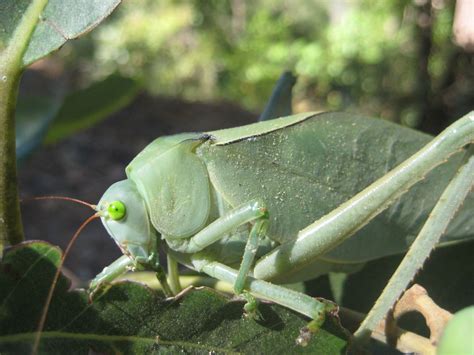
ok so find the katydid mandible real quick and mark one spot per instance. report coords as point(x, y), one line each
point(289, 199)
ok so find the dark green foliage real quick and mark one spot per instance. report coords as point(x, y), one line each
point(132, 318)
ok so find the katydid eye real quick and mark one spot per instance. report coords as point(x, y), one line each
point(116, 210)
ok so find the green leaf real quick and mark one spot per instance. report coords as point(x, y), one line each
point(60, 21)
point(86, 107)
point(33, 116)
point(457, 337)
point(132, 318)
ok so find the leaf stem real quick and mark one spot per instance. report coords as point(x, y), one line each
point(11, 229)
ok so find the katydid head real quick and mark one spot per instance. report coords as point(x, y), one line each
point(124, 215)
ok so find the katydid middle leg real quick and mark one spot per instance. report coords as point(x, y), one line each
point(252, 211)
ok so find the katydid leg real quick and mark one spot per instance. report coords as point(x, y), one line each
point(161, 276)
point(294, 300)
point(250, 211)
point(218, 229)
point(111, 272)
point(449, 202)
point(258, 231)
point(120, 267)
point(173, 274)
point(335, 227)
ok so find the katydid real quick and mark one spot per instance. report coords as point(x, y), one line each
point(289, 199)
point(290, 192)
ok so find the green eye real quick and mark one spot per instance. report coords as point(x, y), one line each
point(116, 210)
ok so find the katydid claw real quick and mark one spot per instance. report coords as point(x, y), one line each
point(251, 307)
point(311, 328)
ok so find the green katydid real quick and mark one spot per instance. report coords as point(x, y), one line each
point(289, 199)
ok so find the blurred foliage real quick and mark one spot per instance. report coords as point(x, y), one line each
point(86, 107)
point(51, 118)
point(393, 59)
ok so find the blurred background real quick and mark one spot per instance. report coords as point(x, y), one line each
point(168, 66)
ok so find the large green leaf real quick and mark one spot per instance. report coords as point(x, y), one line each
point(132, 318)
point(60, 21)
point(84, 108)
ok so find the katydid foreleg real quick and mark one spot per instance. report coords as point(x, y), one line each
point(111, 272)
point(121, 266)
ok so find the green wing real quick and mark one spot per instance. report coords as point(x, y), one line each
point(174, 183)
point(304, 166)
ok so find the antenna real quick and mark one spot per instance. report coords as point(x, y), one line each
point(63, 198)
point(56, 277)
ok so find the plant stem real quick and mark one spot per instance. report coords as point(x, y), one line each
point(11, 229)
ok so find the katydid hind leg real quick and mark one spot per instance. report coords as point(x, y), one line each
point(338, 225)
point(437, 223)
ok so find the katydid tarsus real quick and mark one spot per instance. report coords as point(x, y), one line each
point(289, 199)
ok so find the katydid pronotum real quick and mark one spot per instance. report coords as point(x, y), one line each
point(289, 199)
